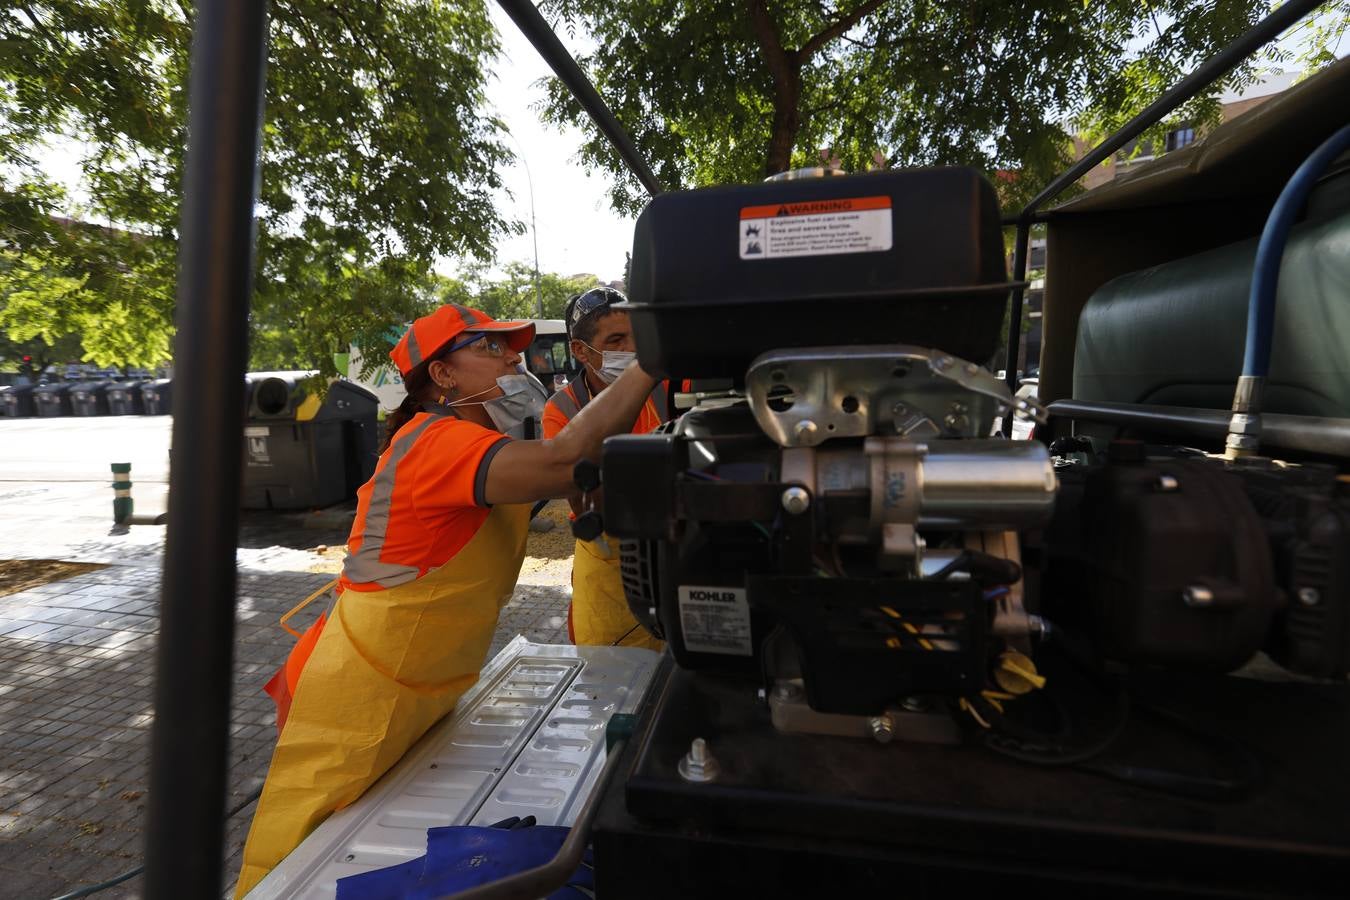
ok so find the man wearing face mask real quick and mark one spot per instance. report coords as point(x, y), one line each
point(602, 341)
point(435, 548)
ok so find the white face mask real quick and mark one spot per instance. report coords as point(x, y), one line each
point(612, 363)
point(522, 397)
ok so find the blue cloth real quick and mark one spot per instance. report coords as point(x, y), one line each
point(463, 856)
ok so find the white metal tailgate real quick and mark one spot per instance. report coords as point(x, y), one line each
point(527, 739)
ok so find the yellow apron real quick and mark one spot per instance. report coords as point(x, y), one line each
point(600, 614)
point(387, 667)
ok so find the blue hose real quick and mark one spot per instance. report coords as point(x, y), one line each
point(1269, 252)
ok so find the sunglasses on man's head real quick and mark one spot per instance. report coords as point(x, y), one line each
point(594, 300)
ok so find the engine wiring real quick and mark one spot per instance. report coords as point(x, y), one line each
point(1014, 677)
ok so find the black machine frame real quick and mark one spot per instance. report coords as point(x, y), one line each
point(189, 752)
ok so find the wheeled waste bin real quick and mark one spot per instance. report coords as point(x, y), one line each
point(303, 451)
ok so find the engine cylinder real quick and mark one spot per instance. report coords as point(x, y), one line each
point(949, 484)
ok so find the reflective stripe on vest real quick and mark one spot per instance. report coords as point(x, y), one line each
point(365, 566)
point(573, 397)
point(658, 398)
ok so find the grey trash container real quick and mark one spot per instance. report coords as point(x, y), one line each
point(157, 396)
point(16, 401)
point(125, 399)
point(90, 398)
point(52, 399)
point(303, 453)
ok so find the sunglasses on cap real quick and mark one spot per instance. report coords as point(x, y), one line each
point(593, 301)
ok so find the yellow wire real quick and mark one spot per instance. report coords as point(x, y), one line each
point(975, 715)
point(923, 642)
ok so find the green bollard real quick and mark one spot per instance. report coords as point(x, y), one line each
point(122, 504)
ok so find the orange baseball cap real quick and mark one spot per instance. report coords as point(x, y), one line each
point(429, 335)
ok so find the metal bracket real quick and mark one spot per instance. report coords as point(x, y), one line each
point(801, 398)
point(790, 713)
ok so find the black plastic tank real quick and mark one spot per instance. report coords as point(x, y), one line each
point(720, 275)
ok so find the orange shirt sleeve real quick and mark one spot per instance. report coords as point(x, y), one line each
point(451, 464)
point(554, 419)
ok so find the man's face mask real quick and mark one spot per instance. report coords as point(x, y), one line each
point(613, 362)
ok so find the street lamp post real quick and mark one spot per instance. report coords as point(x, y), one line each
point(534, 233)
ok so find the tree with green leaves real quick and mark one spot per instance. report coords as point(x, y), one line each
point(730, 91)
point(377, 159)
point(511, 295)
point(31, 289)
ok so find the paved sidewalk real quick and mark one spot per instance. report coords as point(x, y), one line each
point(76, 674)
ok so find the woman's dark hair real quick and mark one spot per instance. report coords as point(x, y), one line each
point(415, 384)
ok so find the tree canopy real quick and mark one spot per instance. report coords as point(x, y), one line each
point(377, 158)
point(509, 294)
point(728, 91)
point(512, 294)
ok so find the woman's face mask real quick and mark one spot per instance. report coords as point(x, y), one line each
point(522, 397)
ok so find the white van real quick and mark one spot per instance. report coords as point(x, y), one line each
point(548, 357)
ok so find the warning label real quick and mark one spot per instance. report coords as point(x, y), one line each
point(715, 620)
point(815, 228)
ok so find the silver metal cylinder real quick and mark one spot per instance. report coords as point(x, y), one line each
point(957, 484)
point(992, 484)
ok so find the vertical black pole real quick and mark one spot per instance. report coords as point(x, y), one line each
point(1015, 310)
point(190, 742)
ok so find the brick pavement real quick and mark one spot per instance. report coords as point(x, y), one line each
point(76, 670)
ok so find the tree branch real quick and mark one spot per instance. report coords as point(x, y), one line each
point(786, 70)
point(38, 25)
point(814, 45)
point(766, 32)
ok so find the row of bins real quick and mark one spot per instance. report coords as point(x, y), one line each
point(300, 451)
point(87, 398)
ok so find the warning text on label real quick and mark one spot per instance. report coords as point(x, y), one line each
point(815, 228)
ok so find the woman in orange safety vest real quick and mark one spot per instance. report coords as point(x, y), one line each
point(435, 549)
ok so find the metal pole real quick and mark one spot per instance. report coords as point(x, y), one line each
point(1309, 434)
point(538, 33)
point(1216, 66)
point(534, 232)
point(1015, 312)
point(190, 742)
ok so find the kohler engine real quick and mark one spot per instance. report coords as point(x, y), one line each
point(836, 520)
point(844, 529)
